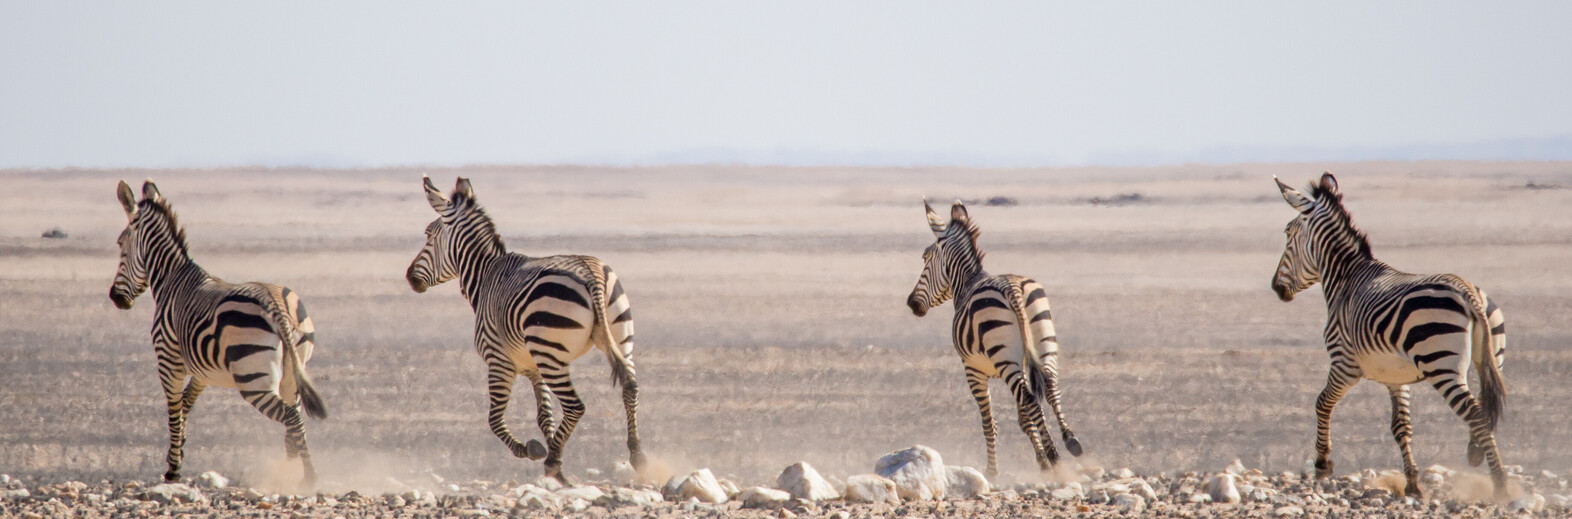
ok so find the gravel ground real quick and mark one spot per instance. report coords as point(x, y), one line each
point(1094, 492)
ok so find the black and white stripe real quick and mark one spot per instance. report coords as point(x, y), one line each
point(1394, 328)
point(533, 316)
point(1001, 323)
point(254, 337)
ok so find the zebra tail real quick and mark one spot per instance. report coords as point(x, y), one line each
point(282, 323)
point(1492, 391)
point(1036, 377)
point(621, 367)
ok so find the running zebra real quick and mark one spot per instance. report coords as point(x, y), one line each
point(1001, 323)
point(533, 316)
point(1394, 328)
point(252, 336)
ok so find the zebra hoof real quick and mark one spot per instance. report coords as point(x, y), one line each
point(534, 450)
point(1413, 490)
point(637, 460)
point(1073, 445)
point(1323, 469)
point(1476, 454)
point(172, 477)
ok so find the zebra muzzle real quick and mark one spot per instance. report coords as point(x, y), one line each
point(122, 302)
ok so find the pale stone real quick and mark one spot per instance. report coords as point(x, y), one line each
point(701, 484)
point(760, 497)
point(622, 473)
point(918, 472)
point(1236, 468)
point(1289, 511)
point(1124, 473)
point(171, 493)
point(212, 479)
point(730, 488)
point(587, 493)
point(802, 481)
point(628, 496)
point(550, 484)
point(871, 488)
point(1129, 502)
point(1221, 488)
point(1528, 503)
point(965, 483)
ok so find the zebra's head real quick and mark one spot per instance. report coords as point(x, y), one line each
point(457, 218)
point(1321, 215)
point(131, 277)
point(954, 246)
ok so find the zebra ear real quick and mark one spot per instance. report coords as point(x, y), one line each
point(439, 203)
point(958, 212)
point(463, 188)
point(1298, 200)
point(1328, 183)
point(127, 198)
point(933, 219)
point(150, 191)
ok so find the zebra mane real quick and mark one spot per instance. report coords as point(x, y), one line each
point(160, 206)
point(970, 231)
point(482, 221)
point(1333, 201)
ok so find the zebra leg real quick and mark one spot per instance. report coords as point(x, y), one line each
point(978, 383)
point(572, 410)
point(1051, 394)
point(1455, 390)
point(172, 375)
point(1031, 417)
point(1337, 384)
point(273, 406)
point(499, 389)
point(1403, 432)
point(630, 402)
point(544, 416)
point(188, 400)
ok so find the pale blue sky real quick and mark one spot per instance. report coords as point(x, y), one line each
point(1035, 83)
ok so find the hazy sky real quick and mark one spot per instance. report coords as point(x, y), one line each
point(439, 83)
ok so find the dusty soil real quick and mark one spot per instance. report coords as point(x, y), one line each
point(771, 320)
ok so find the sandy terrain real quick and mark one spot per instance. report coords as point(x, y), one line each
point(771, 318)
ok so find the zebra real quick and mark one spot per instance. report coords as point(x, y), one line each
point(533, 316)
point(255, 337)
point(993, 314)
point(1394, 328)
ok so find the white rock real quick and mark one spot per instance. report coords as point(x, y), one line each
point(1145, 490)
point(730, 488)
point(1528, 503)
point(550, 484)
point(537, 501)
point(760, 497)
point(15, 495)
point(622, 473)
point(578, 505)
point(1236, 468)
point(592, 472)
point(803, 482)
point(1289, 511)
point(1221, 489)
point(964, 483)
point(701, 484)
point(918, 472)
point(1559, 501)
point(1547, 474)
point(1065, 494)
point(587, 493)
point(1124, 473)
point(1092, 472)
point(871, 488)
point(628, 496)
point(1200, 498)
point(212, 479)
point(170, 493)
point(1129, 502)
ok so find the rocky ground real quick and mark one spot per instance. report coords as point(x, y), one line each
point(894, 491)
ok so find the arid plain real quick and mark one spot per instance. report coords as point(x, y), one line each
point(771, 318)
